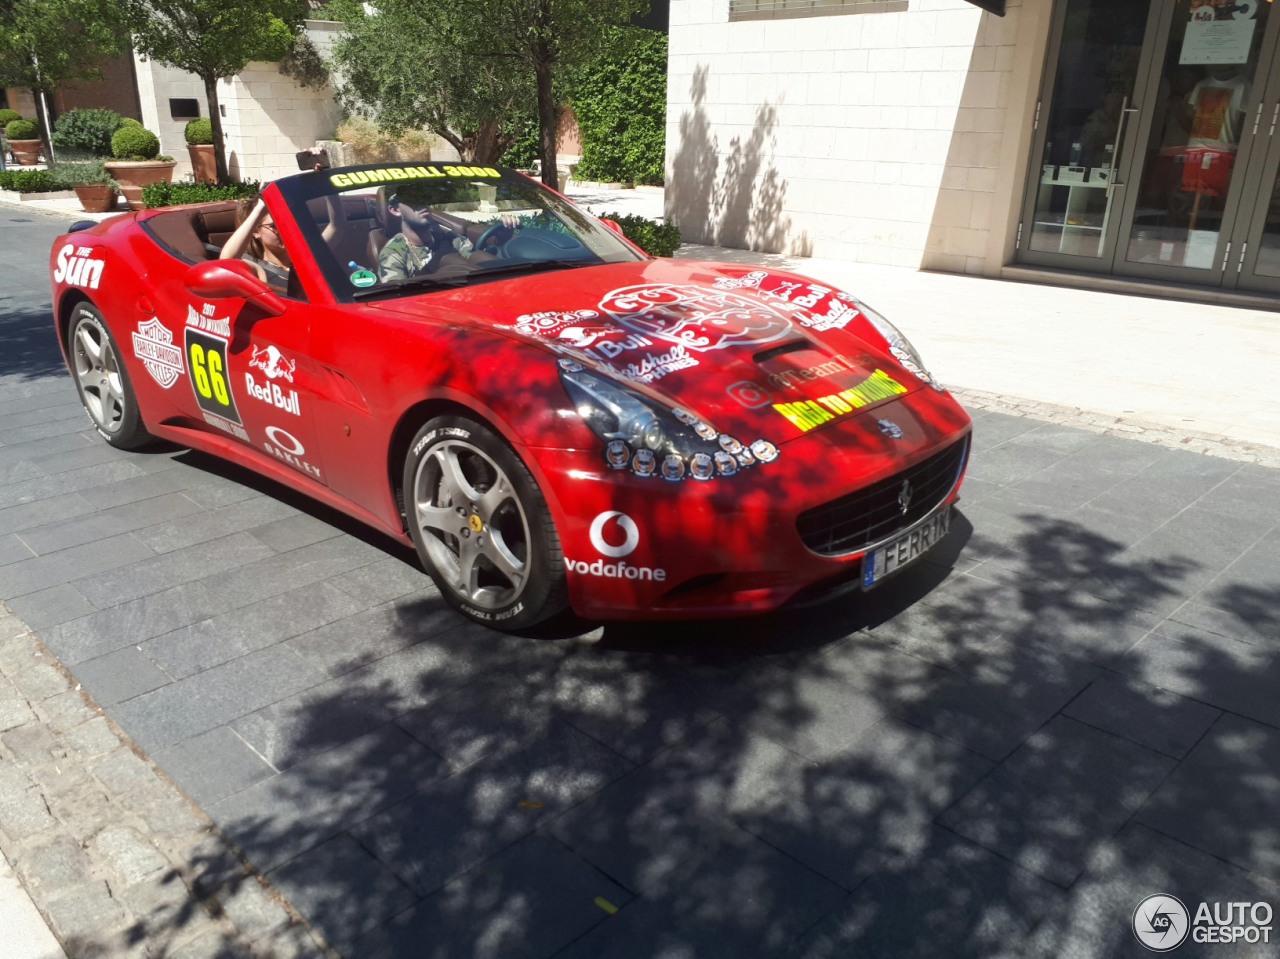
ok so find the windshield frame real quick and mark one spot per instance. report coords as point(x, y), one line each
point(605, 245)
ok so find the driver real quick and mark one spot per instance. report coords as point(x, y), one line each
point(425, 242)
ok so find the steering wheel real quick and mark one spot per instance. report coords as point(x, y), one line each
point(488, 234)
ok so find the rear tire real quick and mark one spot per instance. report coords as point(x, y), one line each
point(481, 526)
point(103, 381)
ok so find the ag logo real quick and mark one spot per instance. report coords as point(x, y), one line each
point(1161, 923)
point(630, 534)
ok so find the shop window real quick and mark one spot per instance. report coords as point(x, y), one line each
point(779, 9)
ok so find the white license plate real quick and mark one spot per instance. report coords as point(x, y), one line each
point(906, 549)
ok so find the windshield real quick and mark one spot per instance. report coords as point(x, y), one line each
point(386, 230)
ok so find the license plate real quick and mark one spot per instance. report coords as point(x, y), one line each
point(906, 549)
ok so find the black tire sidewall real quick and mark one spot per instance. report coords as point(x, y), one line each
point(132, 434)
point(545, 591)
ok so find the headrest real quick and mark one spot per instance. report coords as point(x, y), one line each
point(382, 209)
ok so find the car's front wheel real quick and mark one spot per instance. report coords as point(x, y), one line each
point(103, 381)
point(481, 526)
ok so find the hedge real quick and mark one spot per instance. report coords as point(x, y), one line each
point(31, 181)
point(656, 239)
point(86, 130)
point(177, 194)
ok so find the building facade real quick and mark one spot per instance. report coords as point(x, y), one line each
point(1105, 142)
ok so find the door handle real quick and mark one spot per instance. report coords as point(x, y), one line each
point(1125, 110)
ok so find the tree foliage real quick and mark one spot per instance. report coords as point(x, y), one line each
point(409, 77)
point(213, 39)
point(620, 100)
point(44, 43)
point(469, 68)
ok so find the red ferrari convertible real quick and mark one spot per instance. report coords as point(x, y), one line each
point(468, 361)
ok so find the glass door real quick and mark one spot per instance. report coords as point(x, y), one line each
point(1071, 211)
point(1185, 201)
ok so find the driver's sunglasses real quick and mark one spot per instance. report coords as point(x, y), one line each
point(270, 226)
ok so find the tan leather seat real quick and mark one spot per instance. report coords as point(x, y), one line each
point(384, 227)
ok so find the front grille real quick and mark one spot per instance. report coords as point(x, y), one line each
point(853, 522)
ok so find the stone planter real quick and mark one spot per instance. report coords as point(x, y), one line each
point(26, 152)
point(97, 197)
point(204, 165)
point(133, 175)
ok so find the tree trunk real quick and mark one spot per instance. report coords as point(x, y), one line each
point(44, 122)
point(215, 120)
point(547, 124)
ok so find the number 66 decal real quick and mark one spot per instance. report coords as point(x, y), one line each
point(207, 356)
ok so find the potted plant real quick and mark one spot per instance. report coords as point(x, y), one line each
point(137, 162)
point(24, 142)
point(97, 191)
point(7, 116)
point(199, 136)
point(85, 132)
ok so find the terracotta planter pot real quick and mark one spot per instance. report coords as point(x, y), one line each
point(26, 152)
point(204, 165)
point(97, 197)
point(133, 175)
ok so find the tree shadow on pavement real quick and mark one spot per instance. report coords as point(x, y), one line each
point(986, 759)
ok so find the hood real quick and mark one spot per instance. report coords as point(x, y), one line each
point(751, 352)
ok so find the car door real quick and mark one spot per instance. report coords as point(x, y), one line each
point(248, 375)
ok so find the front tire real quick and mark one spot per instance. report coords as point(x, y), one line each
point(481, 526)
point(103, 381)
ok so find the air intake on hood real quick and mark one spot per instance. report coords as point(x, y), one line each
point(764, 356)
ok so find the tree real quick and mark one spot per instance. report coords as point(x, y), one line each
point(467, 68)
point(409, 77)
point(543, 36)
point(213, 39)
point(46, 42)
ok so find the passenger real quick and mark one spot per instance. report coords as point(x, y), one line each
point(256, 241)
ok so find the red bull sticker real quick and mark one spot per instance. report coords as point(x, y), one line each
point(810, 414)
point(276, 366)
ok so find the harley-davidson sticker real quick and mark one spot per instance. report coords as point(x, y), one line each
point(153, 345)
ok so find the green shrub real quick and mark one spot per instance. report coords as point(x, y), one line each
point(21, 130)
point(199, 132)
point(81, 173)
point(30, 181)
point(129, 122)
point(620, 101)
point(177, 194)
point(134, 143)
point(656, 239)
point(86, 131)
point(7, 116)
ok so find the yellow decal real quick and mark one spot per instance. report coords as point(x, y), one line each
point(476, 524)
point(808, 414)
point(606, 905)
point(345, 181)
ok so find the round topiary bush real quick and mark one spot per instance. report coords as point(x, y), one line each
point(134, 143)
point(129, 122)
point(199, 132)
point(86, 131)
point(21, 130)
point(7, 116)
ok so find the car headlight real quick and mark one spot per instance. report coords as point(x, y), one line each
point(899, 346)
point(651, 438)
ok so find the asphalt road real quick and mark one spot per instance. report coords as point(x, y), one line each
point(1003, 751)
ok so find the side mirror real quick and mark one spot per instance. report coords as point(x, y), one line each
point(219, 279)
point(613, 225)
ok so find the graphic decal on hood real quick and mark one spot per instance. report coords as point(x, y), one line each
point(820, 307)
point(694, 317)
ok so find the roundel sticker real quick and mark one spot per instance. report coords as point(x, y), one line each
point(285, 440)
point(614, 534)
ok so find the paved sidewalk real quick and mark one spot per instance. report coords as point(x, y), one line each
point(234, 724)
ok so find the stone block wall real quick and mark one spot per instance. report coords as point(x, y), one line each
point(879, 135)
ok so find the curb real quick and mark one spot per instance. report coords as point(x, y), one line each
point(116, 859)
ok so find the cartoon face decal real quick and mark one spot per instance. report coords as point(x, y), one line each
point(673, 467)
point(705, 430)
point(726, 465)
point(764, 451)
point(702, 467)
point(644, 463)
point(617, 454)
point(890, 429)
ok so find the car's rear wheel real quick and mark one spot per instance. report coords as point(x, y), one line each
point(481, 526)
point(103, 381)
